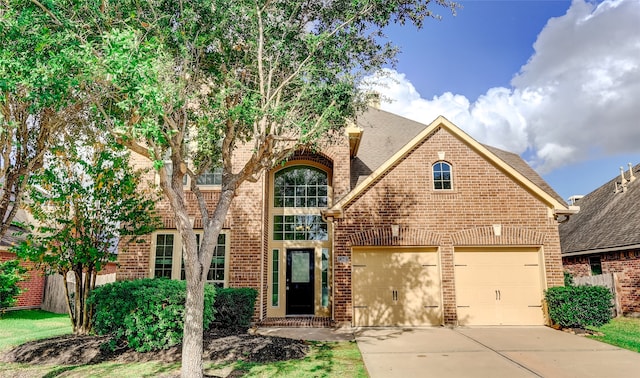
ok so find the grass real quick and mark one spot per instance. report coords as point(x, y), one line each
point(18, 327)
point(326, 359)
point(621, 332)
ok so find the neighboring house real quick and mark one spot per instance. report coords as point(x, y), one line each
point(604, 237)
point(401, 224)
point(33, 286)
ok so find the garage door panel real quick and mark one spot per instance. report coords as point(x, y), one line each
point(498, 287)
point(396, 288)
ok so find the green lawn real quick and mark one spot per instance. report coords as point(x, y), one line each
point(18, 327)
point(326, 359)
point(622, 332)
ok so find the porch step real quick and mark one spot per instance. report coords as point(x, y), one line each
point(297, 322)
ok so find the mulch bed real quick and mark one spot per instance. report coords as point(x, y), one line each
point(219, 346)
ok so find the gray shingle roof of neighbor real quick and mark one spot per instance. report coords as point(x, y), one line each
point(15, 235)
point(386, 133)
point(606, 221)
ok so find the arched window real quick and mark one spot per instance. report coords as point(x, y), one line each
point(300, 186)
point(298, 192)
point(442, 176)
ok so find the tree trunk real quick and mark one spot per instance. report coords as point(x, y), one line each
point(193, 329)
point(197, 265)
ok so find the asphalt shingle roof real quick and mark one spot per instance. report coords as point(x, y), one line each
point(386, 133)
point(606, 220)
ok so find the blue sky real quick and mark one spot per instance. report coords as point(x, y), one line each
point(555, 81)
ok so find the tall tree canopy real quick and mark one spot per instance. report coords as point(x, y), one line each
point(195, 80)
point(39, 78)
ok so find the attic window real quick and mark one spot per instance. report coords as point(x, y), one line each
point(442, 176)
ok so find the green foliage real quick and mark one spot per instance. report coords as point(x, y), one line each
point(10, 274)
point(148, 314)
point(579, 306)
point(568, 279)
point(41, 68)
point(234, 307)
point(85, 201)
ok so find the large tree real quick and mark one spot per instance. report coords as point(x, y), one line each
point(85, 201)
point(39, 75)
point(193, 81)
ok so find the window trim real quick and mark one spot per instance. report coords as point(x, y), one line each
point(433, 178)
point(177, 254)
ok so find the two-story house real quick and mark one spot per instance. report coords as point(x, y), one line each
point(401, 224)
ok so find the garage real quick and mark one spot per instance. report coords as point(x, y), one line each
point(498, 286)
point(396, 287)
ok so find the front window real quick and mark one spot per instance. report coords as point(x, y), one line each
point(442, 176)
point(299, 227)
point(168, 260)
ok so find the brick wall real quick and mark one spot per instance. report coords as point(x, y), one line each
point(482, 196)
point(626, 264)
point(34, 284)
point(247, 222)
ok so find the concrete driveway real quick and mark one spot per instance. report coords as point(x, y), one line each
point(490, 352)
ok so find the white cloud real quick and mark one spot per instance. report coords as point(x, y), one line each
point(578, 93)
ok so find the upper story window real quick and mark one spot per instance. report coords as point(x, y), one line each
point(442, 176)
point(210, 177)
point(300, 186)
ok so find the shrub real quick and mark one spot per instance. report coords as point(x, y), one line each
point(234, 307)
point(10, 274)
point(579, 306)
point(148, 314)
point(568, 279)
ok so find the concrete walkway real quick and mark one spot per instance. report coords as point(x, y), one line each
point(490, 352)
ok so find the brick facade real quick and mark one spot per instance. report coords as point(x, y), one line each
point(34, 284)
point(626, 264)
point(482, 196)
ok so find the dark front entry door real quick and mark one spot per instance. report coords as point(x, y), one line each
point(300, 293)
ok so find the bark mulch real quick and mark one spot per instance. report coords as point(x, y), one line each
point(219, 346)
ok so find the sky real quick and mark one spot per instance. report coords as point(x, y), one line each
point(555, 81)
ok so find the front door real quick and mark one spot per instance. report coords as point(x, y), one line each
point(300, 291)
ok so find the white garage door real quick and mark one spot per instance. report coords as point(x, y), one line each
point(498, 286)
point(396, 287)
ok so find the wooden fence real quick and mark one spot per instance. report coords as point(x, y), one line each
point(608, 280)
point(54, 297)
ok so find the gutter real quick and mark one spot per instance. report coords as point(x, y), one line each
point(601, 250)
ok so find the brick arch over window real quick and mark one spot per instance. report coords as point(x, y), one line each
point(316, 157)
point(487, 236)
point(383, 236)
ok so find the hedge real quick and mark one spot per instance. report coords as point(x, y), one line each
point(147, 314)
point(234, 308)
point(579, 306)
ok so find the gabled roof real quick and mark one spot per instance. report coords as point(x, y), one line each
point(387, 138)
point(607, 221)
